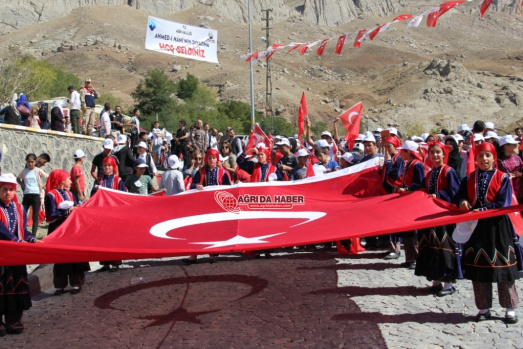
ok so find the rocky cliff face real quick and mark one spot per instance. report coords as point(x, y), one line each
point(23, 13)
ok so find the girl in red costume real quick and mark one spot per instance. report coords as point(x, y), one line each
point(391, 173)
point(210, 174)
point(14, 289)
point(111, 181)
point(492, 253)
point(439, 255)
point(412, 178)
point(261, 171)
point(59, 203)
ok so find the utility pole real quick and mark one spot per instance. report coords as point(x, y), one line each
point(268, 76)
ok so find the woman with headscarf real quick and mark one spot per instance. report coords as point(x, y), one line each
point(25, 111)
point(439, 256)
point(58, 120)
point(14, 289)
point(10, 113)
point(454, 159)
point(59, 203)
point(491, 254)
point(111, 181)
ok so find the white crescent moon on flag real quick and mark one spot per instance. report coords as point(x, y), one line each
point(160, 230)
point(354, 113)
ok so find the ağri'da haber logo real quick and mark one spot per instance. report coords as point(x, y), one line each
point(230, 203)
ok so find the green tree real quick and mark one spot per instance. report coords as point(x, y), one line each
point(281, 126)
point(318, 127)
point(187, 87)
point(153, 93)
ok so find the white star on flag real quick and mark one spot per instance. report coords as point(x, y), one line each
point(236, 240)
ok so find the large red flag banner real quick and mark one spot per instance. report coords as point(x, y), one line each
point(251, 216)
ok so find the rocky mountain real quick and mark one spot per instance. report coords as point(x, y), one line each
point(418, 79)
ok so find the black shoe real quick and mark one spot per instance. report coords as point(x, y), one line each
point(104, 268)
point(435, 289)
point(189, 261)
point(268, 255)
point(444, 293)
point(2, 333)
point(511, 319)
point(408, 265)
point(76, 290)
point(14, 330)
point(59, 292)
point(212, 260)
point(114, 269)
point(392, 255)
point(483, 316)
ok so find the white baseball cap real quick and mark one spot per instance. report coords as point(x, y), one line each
point(302, 152)
point(322, 143)
point(463, 127)
point(326, 133)
point(78, 154)
point(409, 145)
point(478, 137)
point(368, 137)
point(349, 157)
point(173, 162)
point(393, 131)
point(491, 134)
point(489, 125)
point(358, 146)
point(122, 139)
point(508, 139)
point(142, 145)
point(108, 144)
point(284, 141)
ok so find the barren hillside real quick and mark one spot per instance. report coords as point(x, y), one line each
point(464, 69)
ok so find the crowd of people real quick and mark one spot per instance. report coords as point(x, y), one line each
point(200, 156)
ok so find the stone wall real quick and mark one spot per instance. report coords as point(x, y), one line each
point(18, 141)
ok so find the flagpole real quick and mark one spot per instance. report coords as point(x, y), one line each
point(253, 121)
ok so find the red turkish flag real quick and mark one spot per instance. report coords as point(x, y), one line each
point(339, 44)
point(312, 160)
point(302, 113)
point(375, 31)
point(432, 18)
point(257, 136)
point(357, 42)
point(484, 7)
point(320, 49)
point(471, 161)
point(351, 121)
point(295, 47)
point(402, 18)
point(254, 55)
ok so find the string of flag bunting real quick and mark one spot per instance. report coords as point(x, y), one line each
point(432, 15)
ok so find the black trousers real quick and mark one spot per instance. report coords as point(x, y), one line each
point(32, 200)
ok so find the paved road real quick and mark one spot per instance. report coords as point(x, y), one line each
point(294, 300)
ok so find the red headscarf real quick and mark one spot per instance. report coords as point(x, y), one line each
point(444, 148)
point(110, 160)
point(395, 141)
point(211, 152)
point(267, 153)
point(486, 146)
point(55, 178)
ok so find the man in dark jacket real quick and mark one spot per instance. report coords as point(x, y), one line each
point(125, 157)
